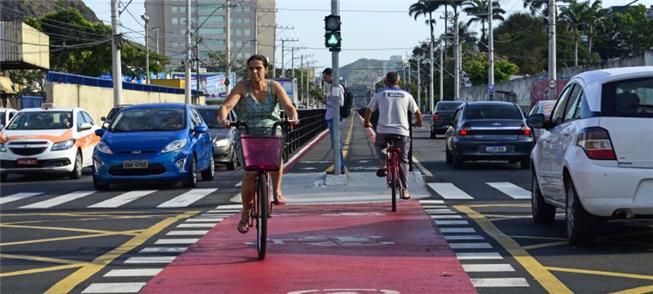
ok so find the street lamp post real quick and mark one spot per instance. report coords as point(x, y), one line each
point(146, 19)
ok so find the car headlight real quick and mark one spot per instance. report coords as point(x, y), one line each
point(221, 142)
point(65, 145)
point(175, 145)
point(3, 148)
point(103, 147)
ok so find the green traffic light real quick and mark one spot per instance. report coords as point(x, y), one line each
point(333, 40)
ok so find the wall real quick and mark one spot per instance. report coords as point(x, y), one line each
point(525, 91)
point(98, 100)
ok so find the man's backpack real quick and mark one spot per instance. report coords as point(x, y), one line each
point(345, 109)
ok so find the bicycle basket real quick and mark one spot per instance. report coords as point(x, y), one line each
point(261, 153)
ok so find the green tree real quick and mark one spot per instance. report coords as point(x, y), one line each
point(522, 39)
point(425, 8)
point(478, 12)
point(476, 67)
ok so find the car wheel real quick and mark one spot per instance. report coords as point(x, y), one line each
point(77, 169)
point(191, 179)
point(432, 134)
point(99, 185)
point(209, 173)
point(458, 162)
point(580, 224)
point(231, 165)
point(525, 163)
point(3, 177)
point(543, 213)
point(447, 155)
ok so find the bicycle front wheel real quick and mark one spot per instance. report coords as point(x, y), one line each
point(262, 216)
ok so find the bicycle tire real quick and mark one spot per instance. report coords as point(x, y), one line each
point(393, 180)
point(262, 216)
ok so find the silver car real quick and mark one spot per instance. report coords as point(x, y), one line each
point(224, 139)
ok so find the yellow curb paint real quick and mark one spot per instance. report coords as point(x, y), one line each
point(40, 258)
point(68, 283)
point(67, 238)
point(40, 270)
point(516, 205)
point(545, 245)
point(537, 237)
point(638, 290)
point(65, 229)
point(345, 148)
point(536, 270)
point(599, 273)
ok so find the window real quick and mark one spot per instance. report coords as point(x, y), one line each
point(492, 111)
point(572, 103)
point(247, 32)
point(174, 9)
point(211, 31)
point(559, 110)
point(214, 20)
point(80, 121)
point(207, 9)
point(247, 20)
point(583, 109)
point(238, 32)
point(88, 118)
point(628, 98)
point(175, 21)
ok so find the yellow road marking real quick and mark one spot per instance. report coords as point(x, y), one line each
point(91, 219)
point(65, 238)
point(537, 237)
point(40, 258)
point(599, 273)
point(67, 229)
point(545, 245)
point(345, 148)
point(39, 270)
point(638, 290)
point(70, 282)
point(516, 205)
point(504, 216)
point(537, 271)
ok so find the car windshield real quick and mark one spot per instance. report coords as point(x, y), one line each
point(629, 98)
point(153, 119)
point(42, 120)
point(489, 111)
point(447, 106)
point(2, 118)
point(210, 117)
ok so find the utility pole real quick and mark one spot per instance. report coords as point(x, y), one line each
point(283, 53)
point(156, 39)
point(116, 44)
point(456, 87)
point(197, 49)
point(146, 20)
point(292, 62)
point(490, 72)
point(408, 71)
point(432, 83)
point(187, 98)
point(443, 47)
point(419, 84)
point(227, 11)
point(335, 99)
point(274, 45)
point(552, 50)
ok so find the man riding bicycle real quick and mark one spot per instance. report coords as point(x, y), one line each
point(393, 105)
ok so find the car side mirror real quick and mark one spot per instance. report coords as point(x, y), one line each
point(536, 121)
point(100, 132)
point(85, 126)
point(201, 129)
point(103, 118)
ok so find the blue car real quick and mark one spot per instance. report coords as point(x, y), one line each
point(153, 143)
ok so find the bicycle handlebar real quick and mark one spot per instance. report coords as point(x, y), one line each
point(283, 123)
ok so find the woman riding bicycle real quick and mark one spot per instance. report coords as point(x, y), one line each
point(256, 101)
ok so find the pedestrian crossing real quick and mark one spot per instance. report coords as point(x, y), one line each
point(450, 191)
point(104, 200)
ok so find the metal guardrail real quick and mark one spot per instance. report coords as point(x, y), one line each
point(311, 123)
point(67, 78)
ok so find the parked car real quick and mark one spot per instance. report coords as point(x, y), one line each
point(112, 114)
point(594, 158)
point(442, 117)
point(153, 143)
point(488, 130)
point(48, 140)
point(223, 139)
point(6, 114)
point(544, 107)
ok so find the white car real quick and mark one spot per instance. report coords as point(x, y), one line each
point(6, 114)
point(595, 156)
point(39, 140)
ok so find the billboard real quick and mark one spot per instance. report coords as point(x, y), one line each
point(211, 83)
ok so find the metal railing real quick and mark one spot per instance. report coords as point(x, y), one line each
point(311, 123)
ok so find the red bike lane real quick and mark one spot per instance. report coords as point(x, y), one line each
point(355, 248)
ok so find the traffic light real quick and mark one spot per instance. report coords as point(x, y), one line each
point(332, 38)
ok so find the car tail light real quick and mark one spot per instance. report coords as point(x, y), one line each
point(596, 143)
point(526, 131)
point(464, 131)
point(436, 116)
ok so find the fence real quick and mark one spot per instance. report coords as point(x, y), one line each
point(66, 78)
point(311, 123)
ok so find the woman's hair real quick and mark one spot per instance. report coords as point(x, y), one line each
point(259, 57)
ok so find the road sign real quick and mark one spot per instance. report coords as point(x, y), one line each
point(552, 84)
point(490, 88)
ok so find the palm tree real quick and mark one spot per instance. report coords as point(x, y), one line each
point(594, 15)
point(478, 9)
point(574, 16)
point(425, 8)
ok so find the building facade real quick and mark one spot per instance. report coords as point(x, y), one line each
point(252, 28)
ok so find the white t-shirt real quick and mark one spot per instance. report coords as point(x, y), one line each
point(327, 92)
point(393, 105)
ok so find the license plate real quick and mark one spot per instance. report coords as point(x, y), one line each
point(27, 161)
point(129, 164)
point(496, 149)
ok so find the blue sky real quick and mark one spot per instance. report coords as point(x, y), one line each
point(373, 29)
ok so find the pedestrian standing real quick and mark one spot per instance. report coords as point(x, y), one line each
point(327, 77)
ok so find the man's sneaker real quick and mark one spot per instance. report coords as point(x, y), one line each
point(380, 172)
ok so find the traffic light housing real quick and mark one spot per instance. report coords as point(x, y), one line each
point(332, 37)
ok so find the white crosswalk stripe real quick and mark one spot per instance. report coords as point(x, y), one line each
point(114, 288)
point(187, 233)
point(122, 199)
point(449, 191)
point(18, 196)
point(478, 256)
point(58, 200)
point(163, 249)
point(482, 245)
point(463, 237)
point(510, 189)
point(134, 272)
point(499, 282)
point(482, 268)
point(187, 198)
point(150, 259)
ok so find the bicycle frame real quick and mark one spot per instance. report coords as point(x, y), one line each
point(393, 172)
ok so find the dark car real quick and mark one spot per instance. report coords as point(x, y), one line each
point(442, 116)
point(544, 107)
point(112, 114)
point(488, 130)
point(224, 139)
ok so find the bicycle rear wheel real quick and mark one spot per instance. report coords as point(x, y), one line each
point(262, 215)
point(392, 179)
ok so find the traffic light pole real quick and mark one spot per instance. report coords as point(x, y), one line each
point(335, 99)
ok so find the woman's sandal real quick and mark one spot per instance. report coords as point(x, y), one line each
point(243, 226)
point(276, 200)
